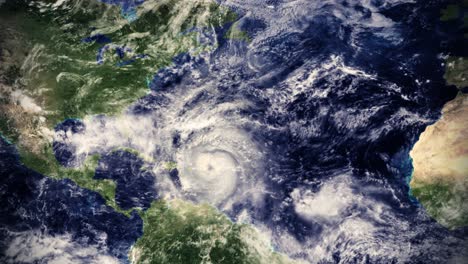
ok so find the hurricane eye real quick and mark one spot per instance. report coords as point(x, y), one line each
point(215, 165)
point(206, 169)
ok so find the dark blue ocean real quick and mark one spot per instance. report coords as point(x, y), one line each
point(334, 95)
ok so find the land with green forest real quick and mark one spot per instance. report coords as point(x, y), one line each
point(56, 66)
point(64, 60)
point(440, 157)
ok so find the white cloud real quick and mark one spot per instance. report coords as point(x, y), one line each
point(330, 201)
point(34, 247)
point(26, 102)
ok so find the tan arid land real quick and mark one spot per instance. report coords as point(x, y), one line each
point(440, 157)
point(441, 154)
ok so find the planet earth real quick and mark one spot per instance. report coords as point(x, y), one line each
point(229, 131)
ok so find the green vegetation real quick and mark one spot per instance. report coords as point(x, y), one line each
point(61, 76)
point(83, 176)
point(62, 73)
point(236, 34)
point(456, 72)
point(181, 232)
point(456, 12)
point(170, 165)
point(7, 128)
point(11, 74)
point(456, 69)
point(445, 202)
point(450, 12)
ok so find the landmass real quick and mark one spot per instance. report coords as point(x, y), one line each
point(66, 60)
point(440, 161)
point(182, 232)
point(440, 156)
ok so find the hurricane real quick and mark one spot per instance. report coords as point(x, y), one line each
point(261, 131)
